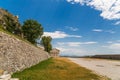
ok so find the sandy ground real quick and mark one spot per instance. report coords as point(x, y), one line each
point(109, 68)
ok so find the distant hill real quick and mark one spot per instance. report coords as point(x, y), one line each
point(110, 56)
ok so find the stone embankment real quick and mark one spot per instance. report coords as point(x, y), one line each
point(17, 55)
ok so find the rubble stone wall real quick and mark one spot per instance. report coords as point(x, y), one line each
point(16, 55)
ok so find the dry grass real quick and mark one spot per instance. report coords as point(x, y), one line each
point(57, 69)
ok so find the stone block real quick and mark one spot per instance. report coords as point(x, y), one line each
point(5, 72)
point(5, 77)
point(14, 79)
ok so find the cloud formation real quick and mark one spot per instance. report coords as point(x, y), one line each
point(97, 30)
point(71, 51)
point(100, 30)
point(72, 28)
point(74, 48)
point(117, 23)
point(110, 9)
point(60, 34)
point(80, 49)
point(110, 31)
point(114, 46)
point(76, 44)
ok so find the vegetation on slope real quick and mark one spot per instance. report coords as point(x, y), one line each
point(31, 30)
point(57, 69)
point(10, 22)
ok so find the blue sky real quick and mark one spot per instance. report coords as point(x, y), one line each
point(78, 27)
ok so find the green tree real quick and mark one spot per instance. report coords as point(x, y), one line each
point(32, 30)
point(46, 42)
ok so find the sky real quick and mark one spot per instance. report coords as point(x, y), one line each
point(78, 27)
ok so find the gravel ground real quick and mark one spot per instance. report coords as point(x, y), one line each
point(109, 68)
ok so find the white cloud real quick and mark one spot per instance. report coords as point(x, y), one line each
point(80, 49)
point(60, 34)
point(104, 46)
point(82, 2)
point(92, 42)
point(70, 51)
point(118, 40)
point(117, 23)
point(114, 46)
point(75, 44)
point(100, 30)
point(110, 31)
point(97, 30)
point(110, 9)
point(72, 28)
point(74, 48)
point(113, 42)
point(109, 42)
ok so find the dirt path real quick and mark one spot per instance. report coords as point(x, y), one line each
point(109, 68)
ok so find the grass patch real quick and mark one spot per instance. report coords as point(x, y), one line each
point(57, 69)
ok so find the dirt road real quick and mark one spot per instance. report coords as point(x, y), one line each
point(109, 68)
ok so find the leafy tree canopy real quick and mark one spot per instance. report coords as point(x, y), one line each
point(32, 30)
point(46, 42)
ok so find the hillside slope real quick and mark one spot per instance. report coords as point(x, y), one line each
point(16, 55)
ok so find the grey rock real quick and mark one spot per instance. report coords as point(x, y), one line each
point(5, 77)
point(14, 79)
point(5, 72)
